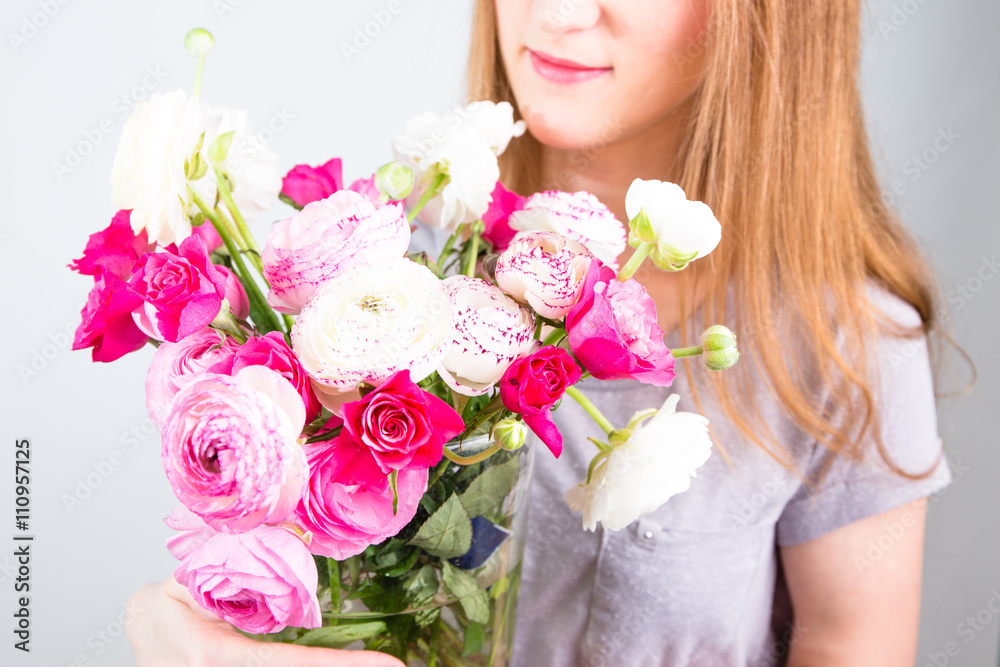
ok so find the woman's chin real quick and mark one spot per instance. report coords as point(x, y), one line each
point(564, 129)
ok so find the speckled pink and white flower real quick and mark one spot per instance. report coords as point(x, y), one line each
point(576, 215)
point(489, 331)
point(545, 271)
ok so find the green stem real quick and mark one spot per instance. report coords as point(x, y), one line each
point(472, 255)
point(591, 409)
point(249, 243)
point(682, 352)
point(446, 250)
point(554, 337)
point(635, 261)
point(199, 68)
point(469, 460)
point(429, 194)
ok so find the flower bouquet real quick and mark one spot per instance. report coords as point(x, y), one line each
point(344, 424)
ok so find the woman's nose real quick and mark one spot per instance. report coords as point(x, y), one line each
point(566, 15)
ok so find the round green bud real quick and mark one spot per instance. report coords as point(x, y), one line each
point(394, 180)
point(198, 42)
point(719, 345)
point(510, 433)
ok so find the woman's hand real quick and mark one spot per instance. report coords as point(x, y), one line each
point(170, 628)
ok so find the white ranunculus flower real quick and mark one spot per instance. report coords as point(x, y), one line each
point(544, 270)
point(579, 216)
point(683, 230)
point(250, 163)
point(148, 172)
point(489, 331)
point(656, 462)
point(370, 322)
point(463, 145)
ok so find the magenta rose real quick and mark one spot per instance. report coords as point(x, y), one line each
point(305, 184)
point(533, 384)
point(348, 503)
point(404, 426)
point(108, 326)
point(270, 351)
point(324, 240)
point(183, 291)
point(261, 581)
point(613, 331)
point(174, 365)
point(209, 235)
point(231, 451)
point(498, 231)
point(116, 248)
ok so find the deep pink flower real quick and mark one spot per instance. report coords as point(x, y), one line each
point(183, 291)
point(348, 503)
point(404, 426)
point(533, 384)
point(260, 581)
point(498, 231)
point(613, 331)
point(175, 365)
point(305, 184)
point(208, 234)
point(107, 324)
point(270, 351)
point(116, 248)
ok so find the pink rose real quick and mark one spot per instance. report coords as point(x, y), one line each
point(270, 351)
point(206, 231)
point(183, 291)
point(107, 324)
point(305, 184)
point(613, 331)
point(498, 232)
point(324, 240)
point(116, 249)
point(366, 187)
point(231, 451)
point(404, 426)
point(544, 270)
point(348, 503)
point(175, 365)
point(261, 581)
point(533, 384)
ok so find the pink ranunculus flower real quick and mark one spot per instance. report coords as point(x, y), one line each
point(498, 232)
point(533, 384)
point(324, 240)
point(183, 291)
point(175, 365)
point(192, 532)
point(613, 331)
point(116, 248)
point(107, 324)
point(348, 504)
point(261, 581)
point(545, 271)
point(270, 351)
point(305, 184)
point(576, 215)
point(404, 426)
point(366, 187)
point(231, 451)
point(489, 331)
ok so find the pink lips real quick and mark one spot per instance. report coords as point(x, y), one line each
point(563, 71)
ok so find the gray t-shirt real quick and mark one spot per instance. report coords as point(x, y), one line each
point(698, 582)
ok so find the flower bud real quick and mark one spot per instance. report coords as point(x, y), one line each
point(719, 344)
point(198, 42)
point(510, 433)
point(394, 180)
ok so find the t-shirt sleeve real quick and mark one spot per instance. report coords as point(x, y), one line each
point(852, 490)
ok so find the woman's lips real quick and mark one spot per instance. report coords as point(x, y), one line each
point(563, 71)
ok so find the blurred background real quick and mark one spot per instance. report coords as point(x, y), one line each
point(316, 86)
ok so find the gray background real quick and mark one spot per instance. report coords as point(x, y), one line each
point(931, 66)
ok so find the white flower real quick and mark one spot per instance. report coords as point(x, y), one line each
point(250, 163)
point(489, 331)
point(579, 216)
point(370, 322)
point(656, 462)
point(463, 146)
point(148, 172)
point(682, 230)
point(545, 271)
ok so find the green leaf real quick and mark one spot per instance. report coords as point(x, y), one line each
point(488, 491)
point(219, 148)
point(341, 635)
point(422, 586)
point(402, 566)
point(448, 532)
point(474, 636)
point(463, 585)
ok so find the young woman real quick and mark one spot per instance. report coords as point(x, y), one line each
point(800, 541)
